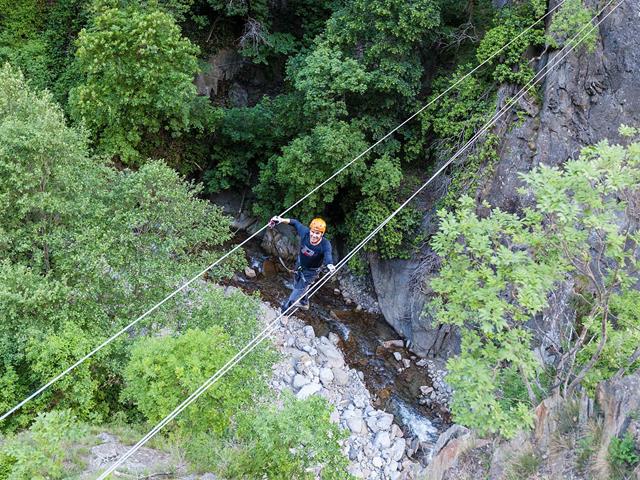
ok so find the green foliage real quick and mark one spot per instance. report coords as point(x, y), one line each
point(623, 338)
point(456, 117)
point(512, 65)
point(477, 166)
point(20, 43)
point(588, 445)
point(498, 271)
point(138, 73)
point(306, 162)
point(573, 19)
point(85, 250)
point(42, 451)
point(163, 371)
point(247, 136)
point(623, 455)
point(292, 441)
point(326, 77)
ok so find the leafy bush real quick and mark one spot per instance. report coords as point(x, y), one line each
point(623, 455)
point(86, 249)
point(570, 20)
point(512, 65)
point(42, 451)
point(293, 441)
point(164, 371)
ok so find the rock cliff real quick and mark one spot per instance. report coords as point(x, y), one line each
point(582, 100)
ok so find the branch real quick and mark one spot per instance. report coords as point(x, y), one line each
point(594, 358)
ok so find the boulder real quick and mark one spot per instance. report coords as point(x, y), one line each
point(448, 449)
point(308, 390)
point(326, 376)
point(619, 400)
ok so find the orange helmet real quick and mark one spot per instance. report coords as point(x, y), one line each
point(318, 224)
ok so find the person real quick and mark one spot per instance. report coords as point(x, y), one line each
point(315, 250)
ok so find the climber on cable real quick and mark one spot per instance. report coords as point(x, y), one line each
point(315, 250)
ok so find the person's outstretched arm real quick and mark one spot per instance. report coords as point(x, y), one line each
point(300, 228)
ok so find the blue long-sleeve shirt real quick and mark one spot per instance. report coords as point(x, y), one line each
point(311, 256)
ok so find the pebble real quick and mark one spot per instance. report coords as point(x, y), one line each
point(249, 272)
point(397, 356)
point(393, 344)
point(308, 331)
point(377, 462)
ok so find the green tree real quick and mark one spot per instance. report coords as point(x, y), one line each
point(164, 371)
point(138, 85)
point(86, 249)
point(499, 270)
point(20, 41)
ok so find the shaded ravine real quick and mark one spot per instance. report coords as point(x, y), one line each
point(394, 387)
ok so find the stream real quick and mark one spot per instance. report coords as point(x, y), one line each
point(394, 387)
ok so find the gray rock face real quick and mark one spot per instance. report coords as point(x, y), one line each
point(223, 66)
point(584, 100)
point(619, 399)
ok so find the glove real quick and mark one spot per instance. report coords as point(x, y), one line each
point(275, 221)
point(331, 268)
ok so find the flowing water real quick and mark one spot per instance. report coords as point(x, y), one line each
point(362, 335)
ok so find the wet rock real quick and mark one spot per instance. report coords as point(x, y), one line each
point(269, 268)
point(397, 450)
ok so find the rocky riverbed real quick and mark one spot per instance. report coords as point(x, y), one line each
point(314, 365)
